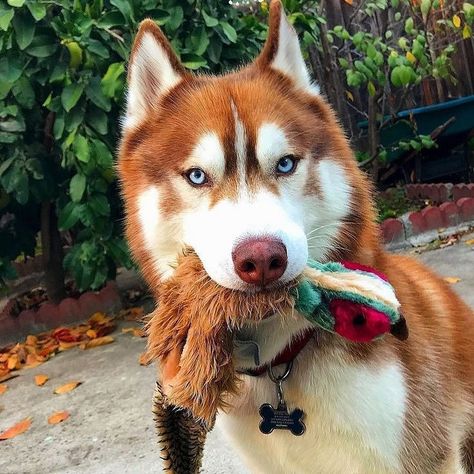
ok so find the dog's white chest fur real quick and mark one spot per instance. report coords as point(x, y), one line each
point(353, 416)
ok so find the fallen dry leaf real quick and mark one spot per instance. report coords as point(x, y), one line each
point(36, 349)
point(41, 379)
point(452, 280)
point(58, 417)
point(3, 388)
point(65, 346)
point(66, 387)
point(31, 340)
point(137, 332)
point(99, 318)
point(66, 335)
point(100, 341)
point(13, 362)
point(33, 360)
point(17, 429)
point(133, 314)
point(469, 242)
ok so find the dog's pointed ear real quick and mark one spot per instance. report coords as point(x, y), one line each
point(153, 70)
point(282, 50)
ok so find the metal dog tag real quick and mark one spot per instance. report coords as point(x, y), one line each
point(280, 418)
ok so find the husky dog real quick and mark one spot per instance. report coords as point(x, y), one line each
point(252, 170)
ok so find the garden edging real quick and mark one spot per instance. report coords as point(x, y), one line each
point(431, 223)
point(50, 316)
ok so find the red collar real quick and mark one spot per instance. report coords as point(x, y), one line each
point(287, 355)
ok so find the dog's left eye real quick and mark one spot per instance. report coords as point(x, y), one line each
point(286, 165)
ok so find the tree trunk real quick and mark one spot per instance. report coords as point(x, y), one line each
point(52, 253)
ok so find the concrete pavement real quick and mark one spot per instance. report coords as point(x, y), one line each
point(111, 429)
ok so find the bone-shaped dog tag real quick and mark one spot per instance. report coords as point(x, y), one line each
point(280, 419)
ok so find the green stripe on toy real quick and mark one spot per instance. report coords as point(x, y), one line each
point(352, 300)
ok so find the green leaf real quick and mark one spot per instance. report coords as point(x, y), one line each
point(395, 76)
point(214, 50)
point(102, 154)
point(193, 61)
point(119, 251)
point(405, 75)
point(125, 8)
point(68, 216)
point(371, 51)
point(229, 31)
point(59, 72)
point(160, 17)
point(37, 10)
point(99, 204)
point(6, 137)
point(6, 164)
point(176, 18)
point(110, 82)
point(16, 124)
point(343, 63)
point(97, 119)
point(10, 69)
point(199, 40)
point(16, 3)
point(425, 7)
point(22, 191)
point(97, 48)
point(111, 19)
point(81, 148)
point(58, 127)
point(71, 95)
point(5, 18)
point(24, 93)
point(77, 186)
point(42, 46)
point(5, 88)
point(371, 88)
point(75, 117)
point(34, 166)
point(24, 27)
point(210, 21)
point(96, 96)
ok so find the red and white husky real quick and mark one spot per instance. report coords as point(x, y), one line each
point(252, 170)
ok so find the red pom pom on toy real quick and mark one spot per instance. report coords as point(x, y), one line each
point(357, 322)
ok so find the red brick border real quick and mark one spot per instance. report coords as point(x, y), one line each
point(49, 315)
point(431, 218)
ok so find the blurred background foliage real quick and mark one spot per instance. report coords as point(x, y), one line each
point(62, 82)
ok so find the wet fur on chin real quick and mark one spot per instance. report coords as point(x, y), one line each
point(197, 314)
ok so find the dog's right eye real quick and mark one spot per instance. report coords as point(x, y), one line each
point(196, 177)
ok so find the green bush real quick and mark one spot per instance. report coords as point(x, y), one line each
point(62, 76)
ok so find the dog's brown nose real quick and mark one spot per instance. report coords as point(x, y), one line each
point(260, 261)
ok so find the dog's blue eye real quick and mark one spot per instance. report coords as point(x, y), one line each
point(196, 176)
point(286, 165)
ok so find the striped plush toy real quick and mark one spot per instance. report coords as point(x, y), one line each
point(349, 299)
